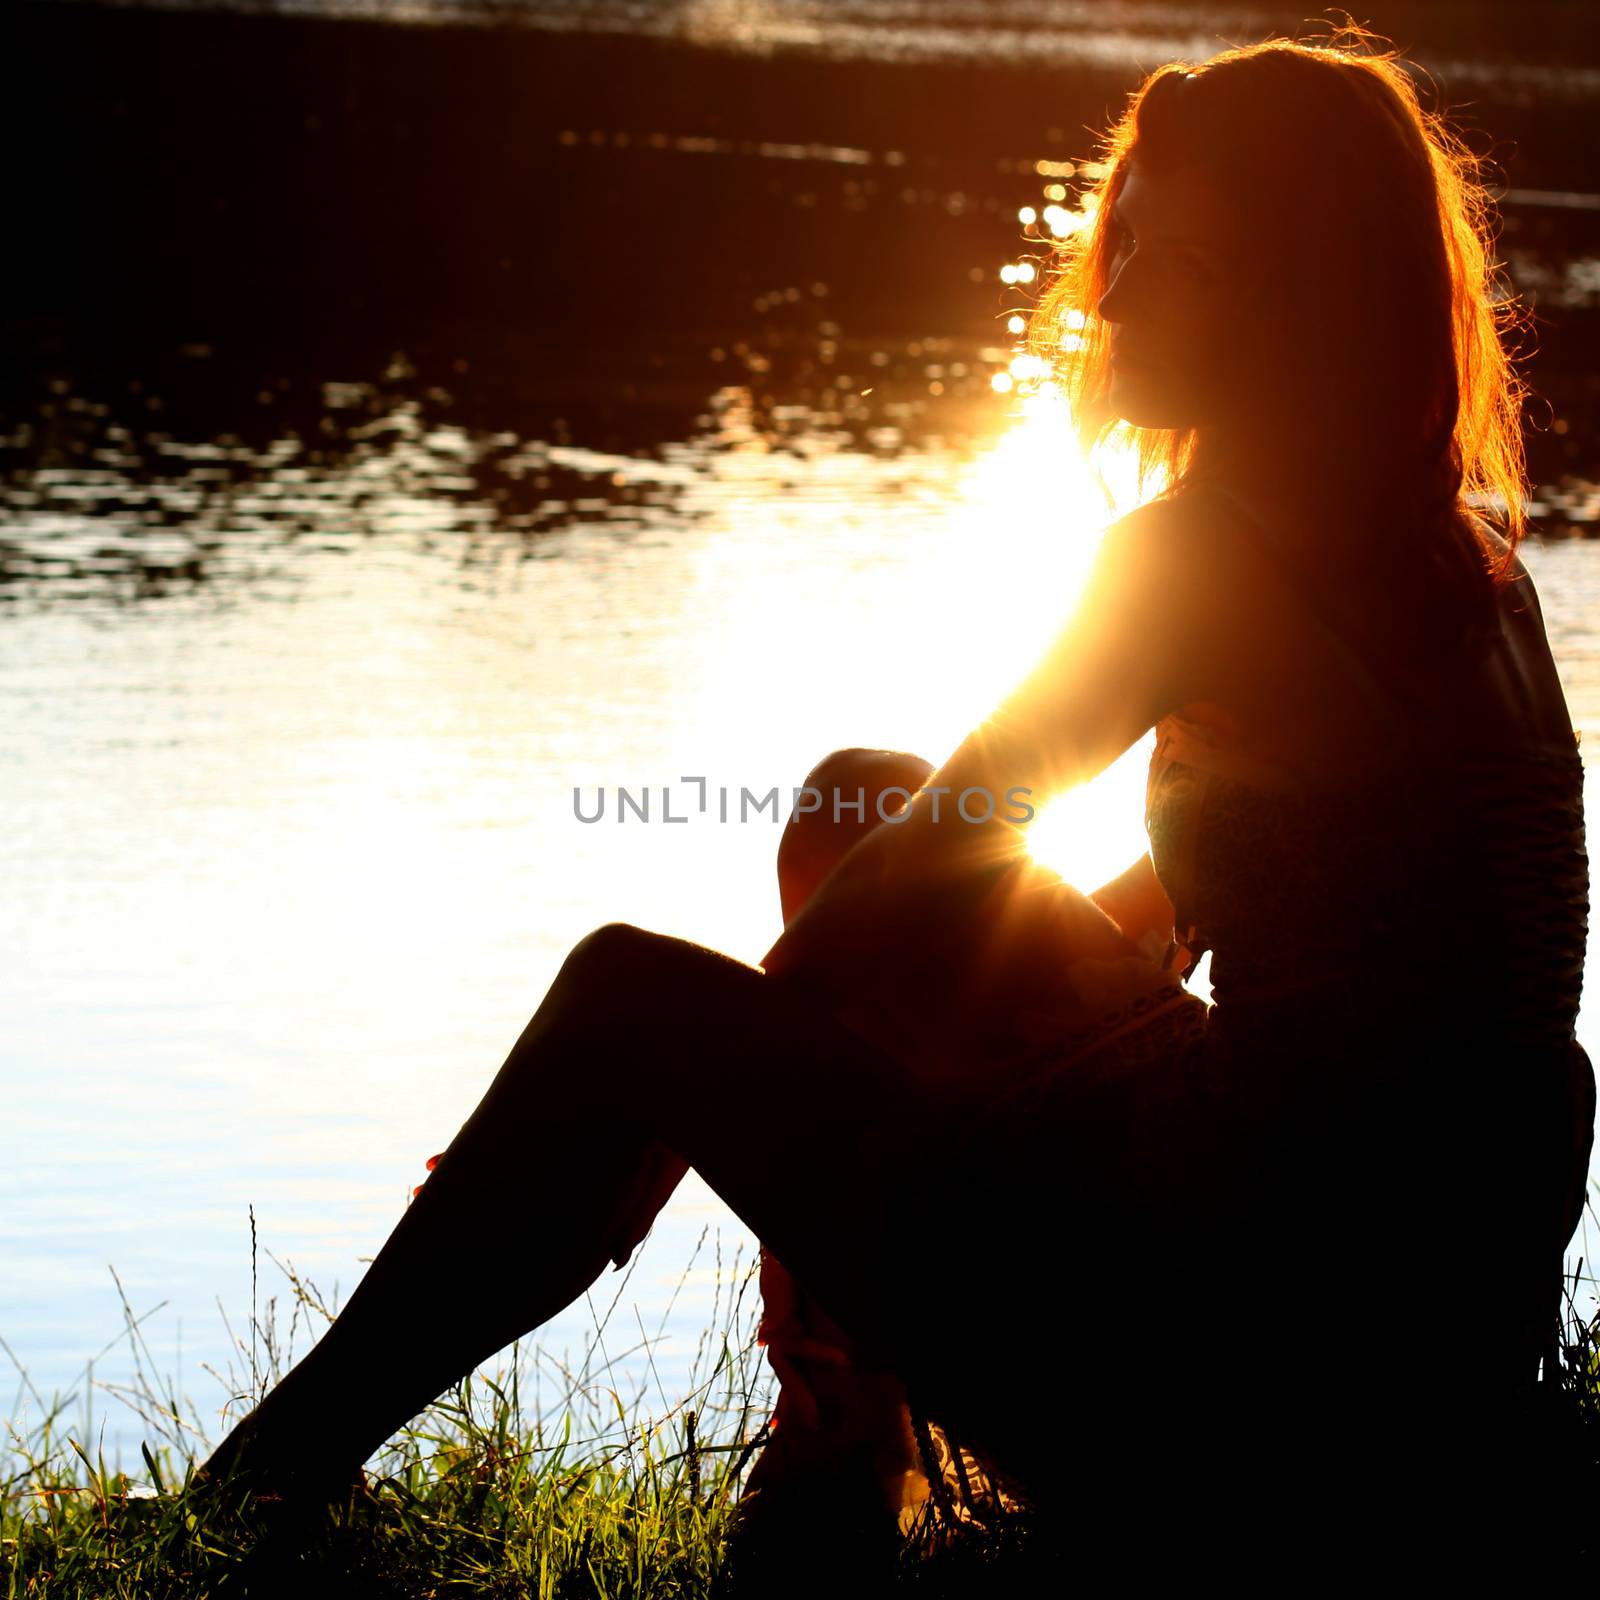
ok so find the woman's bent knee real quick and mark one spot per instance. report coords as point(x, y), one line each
point(847, 794)
point(856, 767)
point(619, 975)
point(609, 942)
point(597, 962)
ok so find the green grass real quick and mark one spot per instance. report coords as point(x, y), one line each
point(539, 1481)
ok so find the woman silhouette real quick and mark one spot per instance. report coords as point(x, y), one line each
point(983, 1124)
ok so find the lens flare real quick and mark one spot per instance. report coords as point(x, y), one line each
point(1034, 487)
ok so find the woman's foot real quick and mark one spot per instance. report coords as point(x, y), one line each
point(842, 1454)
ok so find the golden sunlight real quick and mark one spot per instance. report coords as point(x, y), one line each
point(1033, 484)
point(898, 626)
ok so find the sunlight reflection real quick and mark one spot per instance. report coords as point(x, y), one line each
point(1036, 486)
point(870, 615)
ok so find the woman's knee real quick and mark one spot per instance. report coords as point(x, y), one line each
point(624, 976)
point(593, 1002)
point(876, 771)
point(847, 794)
point(604, 958)
point(610, 945)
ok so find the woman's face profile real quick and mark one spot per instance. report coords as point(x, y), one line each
point(1172, 300)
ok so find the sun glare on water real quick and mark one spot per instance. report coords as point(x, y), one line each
point(1033, 490)
point(847, 600)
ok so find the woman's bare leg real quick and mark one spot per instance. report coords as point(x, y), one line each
point(646, 1048)
point(642, 1040)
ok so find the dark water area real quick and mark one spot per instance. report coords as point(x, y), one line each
point(581, 236)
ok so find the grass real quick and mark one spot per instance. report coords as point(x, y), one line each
point(493, 1492)
point(537, 1479)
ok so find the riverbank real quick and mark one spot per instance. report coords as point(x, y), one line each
point(478, 1497)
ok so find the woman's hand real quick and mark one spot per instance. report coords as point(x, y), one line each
point(909, 945)
point(899, 882)
point(1136, 902)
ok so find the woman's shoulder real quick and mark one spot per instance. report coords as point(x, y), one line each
point(1239, 593)
point(1520, 679)
point(1217, 544)
point(1518, 596)
point(1182, 521)
point(1188, 549)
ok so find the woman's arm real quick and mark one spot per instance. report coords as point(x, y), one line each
point(1134, 649)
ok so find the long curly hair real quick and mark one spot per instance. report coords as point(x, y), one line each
point(1382, 396)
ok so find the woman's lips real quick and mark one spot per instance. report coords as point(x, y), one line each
point(1129, 363)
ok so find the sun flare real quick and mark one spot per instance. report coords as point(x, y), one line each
point(842, 600)
point(1033, 490)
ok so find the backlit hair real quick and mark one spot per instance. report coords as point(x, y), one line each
point(1375, 348)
